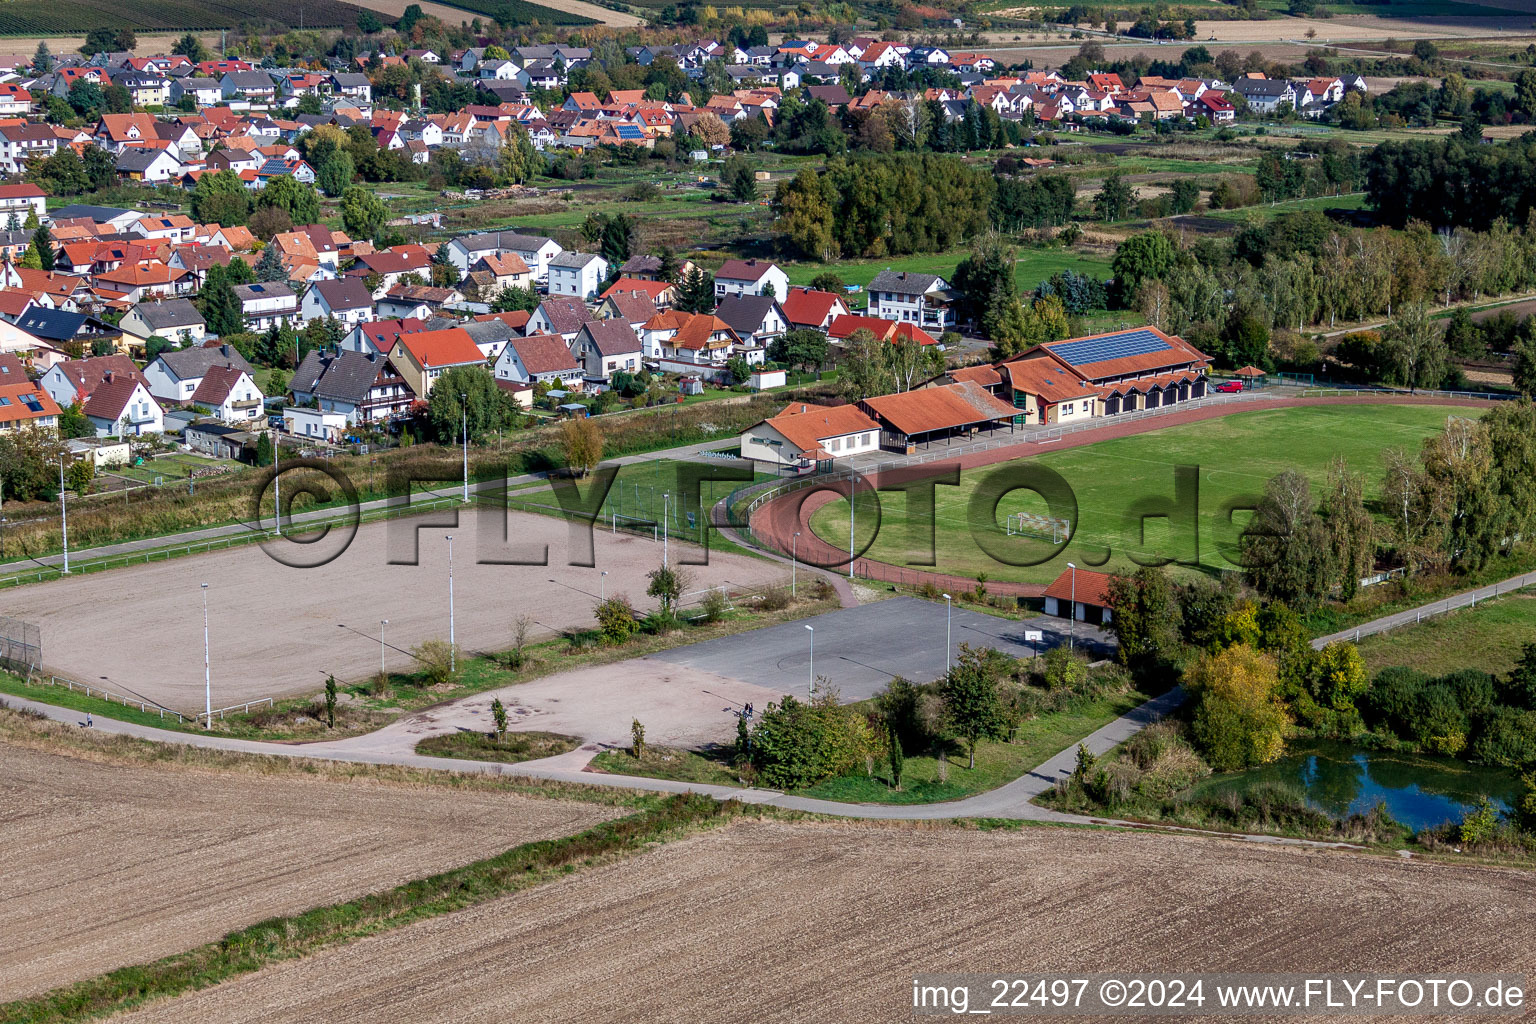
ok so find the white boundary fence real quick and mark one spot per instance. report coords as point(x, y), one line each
point(1455, 602)
point(235, 707)
point(107, 695)
point(254, 536)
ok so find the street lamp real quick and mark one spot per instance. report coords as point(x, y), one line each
point(382, 624)
point(602, 587)
point(63, 516)
point(207, 669)
point(852, 491)
point(464, 415)
point(812, 630)
point(451, 653)
point(1072, 611)
point(666, 503)
point(949, 611)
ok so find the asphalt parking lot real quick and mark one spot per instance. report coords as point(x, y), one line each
point(861, 649)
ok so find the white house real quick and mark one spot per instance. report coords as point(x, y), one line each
point(253, 85)
point(205, 92)
point(266, 304)
point(362, 388)
point(750, 277)
point(74, 380)
point(175, 319)
point(804, 434)
point(346, 299)
point(543, 358)
point(123, 406)
point(606, 347)
point(921, 299)
point(22, 142)
point(577, 273)
point(756, 319)
point(319, 424)
point(535, 250)
point(230, 394)
point(174, 376)
point(22, 200)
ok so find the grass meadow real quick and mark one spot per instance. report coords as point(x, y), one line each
point(1234, 454)
point(1488, 637)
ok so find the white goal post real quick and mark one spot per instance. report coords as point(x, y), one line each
point(1030, 524)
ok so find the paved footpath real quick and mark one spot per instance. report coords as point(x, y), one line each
point(1466, 599)
point(395, 744)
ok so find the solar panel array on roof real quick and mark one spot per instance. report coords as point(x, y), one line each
point(629, 131)
point(1110, 346)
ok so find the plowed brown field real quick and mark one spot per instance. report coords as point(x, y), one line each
point(106, 865)
point(773, 922)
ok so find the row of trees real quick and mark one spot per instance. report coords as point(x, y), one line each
point(1466, 498)
point(1448, 183)
point(1303, 270)
point(892, 205)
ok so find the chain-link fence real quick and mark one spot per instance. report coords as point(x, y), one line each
point(21, 645)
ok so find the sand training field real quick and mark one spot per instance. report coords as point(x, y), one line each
point(276, 631)
point(767, 922)
point(108, 865)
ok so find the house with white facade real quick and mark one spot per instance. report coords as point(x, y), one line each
point(175, 319)
point(123, 407)
point(174, 375)
point(230, 394)
point(362, 388)
point(266, 304)
point(535, 250)
point(805, 434)
point(750, 277)
point(543, 358)
point(345, 299)
point(577, 273)
point(922, 299)
point(606, 347)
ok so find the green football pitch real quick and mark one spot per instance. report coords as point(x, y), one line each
point(1116, 483)
point(643, 493)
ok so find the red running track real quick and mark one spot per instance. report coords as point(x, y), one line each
point(775, 522)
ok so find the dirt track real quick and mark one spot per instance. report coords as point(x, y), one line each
point(109, 865)
point(829, 923)
point(274, 629)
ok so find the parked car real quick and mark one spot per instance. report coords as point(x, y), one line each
point(1229, 387)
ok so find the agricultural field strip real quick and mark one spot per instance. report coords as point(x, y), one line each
point(110, 864)
point(739, 903)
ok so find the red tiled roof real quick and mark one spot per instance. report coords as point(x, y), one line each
point(451, 347)
point(653, 289)
point(986, 376)
point(1178, 353)
point(940, 408)
point(16, 410)
point(87, 374)
point(1089, 588)
point(1048, 380)
point(842, 326)
point(517, 319)
point(806, 306)
point(544, 353)
point(636, 307)
point(381, 334)
point(743, 270)
point(806, 425)
point(216, 385)
point(110, 398)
